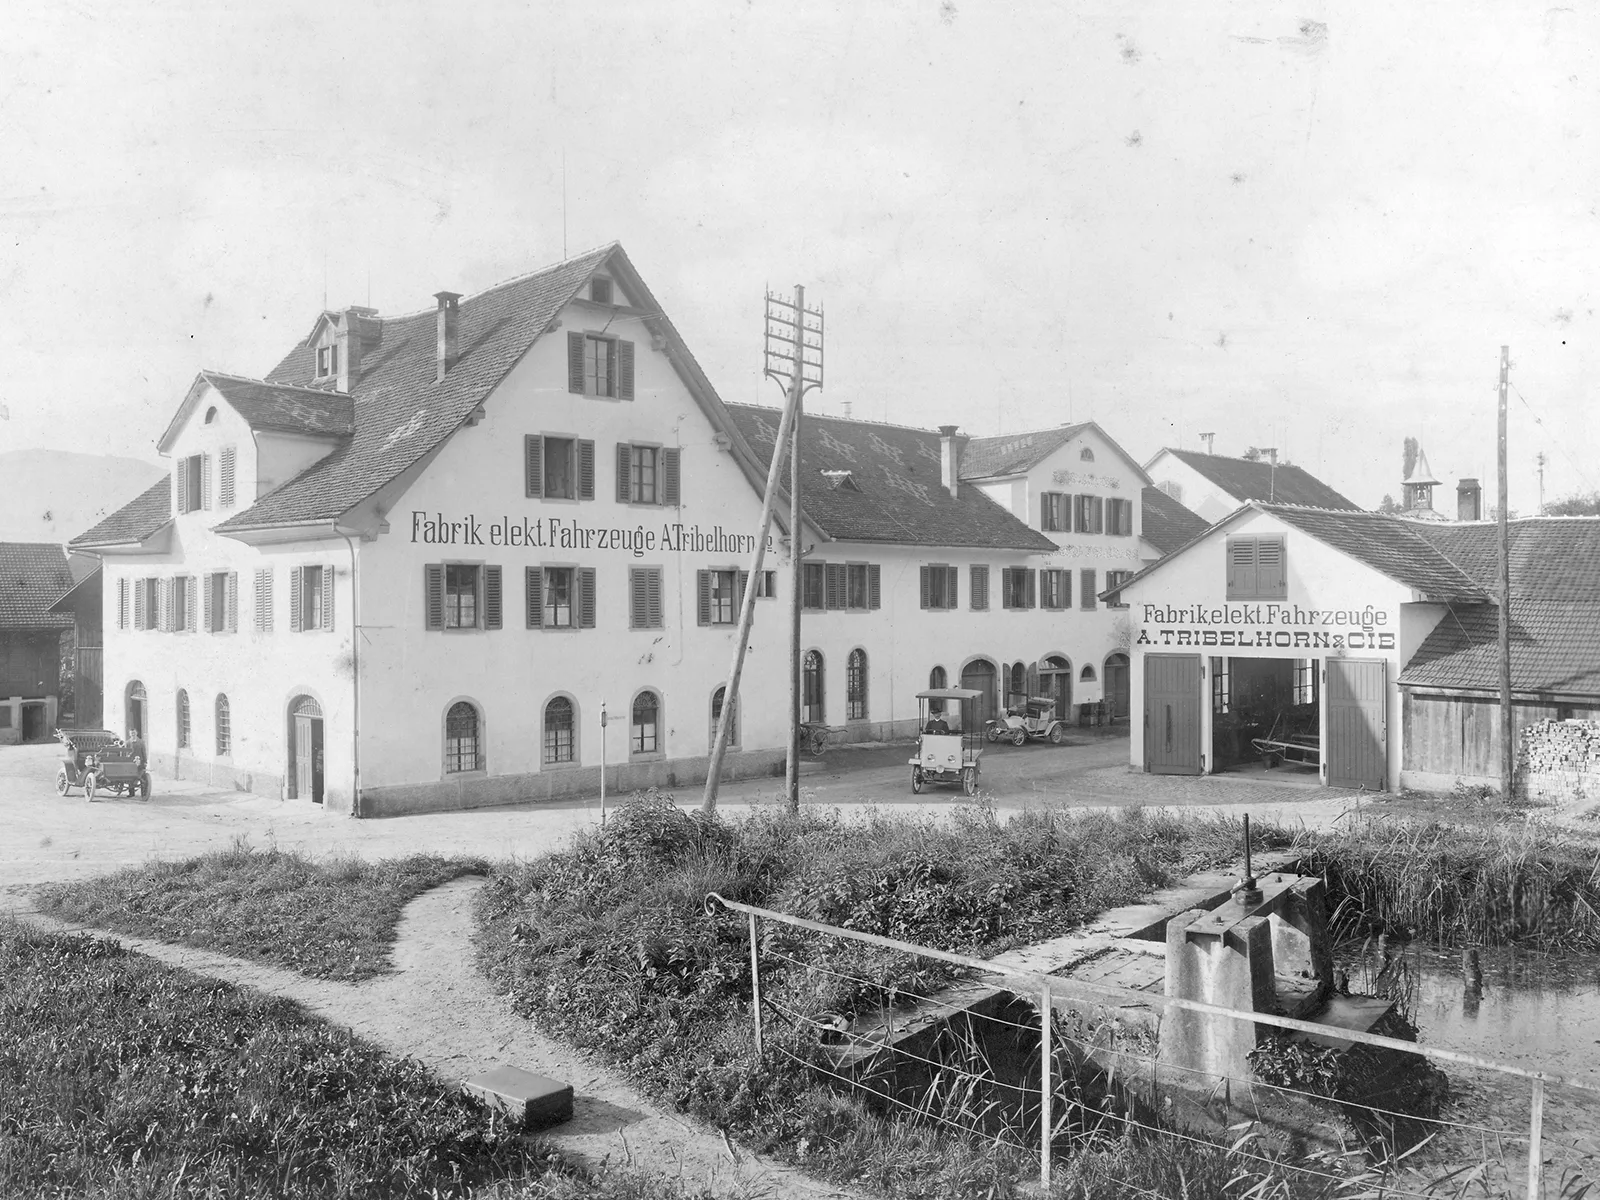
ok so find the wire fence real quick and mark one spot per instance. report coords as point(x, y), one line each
point(959, 1043)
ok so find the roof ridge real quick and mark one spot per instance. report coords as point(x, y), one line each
point(294, 387)
point(815, 416)
point(494, 287)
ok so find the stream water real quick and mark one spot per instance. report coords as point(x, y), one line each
point(1518, 1007)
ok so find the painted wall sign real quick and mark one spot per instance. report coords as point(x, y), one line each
point(1085, 477)
point(1108, 553)
point(559, 533)
point(1287, 626)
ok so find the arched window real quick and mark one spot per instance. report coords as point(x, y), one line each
point(716, 715)
point(1086, 455)
point(937, 678)
point(560, 732)
point(645, 724)
point(463, 739)
point(1017, 690)
point(1087, 675)
point(811, 707)
point(183, 719)
point(855, 686)
point(211, 414)
point(133, 701)
point(224, 728)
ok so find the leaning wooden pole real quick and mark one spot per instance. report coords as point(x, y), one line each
point(747, 609)
point(1508, 764)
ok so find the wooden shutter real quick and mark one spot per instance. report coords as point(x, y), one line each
point(535, 593)
point(638, 599)
point(122, 604)
point(297, 583)
point(432, 596)
point(205, 481)
point(1241, 568)
point(874, 586)
point(1271, 573)
point(1032, 577)
point(230, 616)
point(702, 581)
point(180, 479)
point(225, 483)
point(1097, 513)
point(835, 586)
point(585, 470)
point(533, 472)
point(624, 472)
point(492, 612)
point(165, 624)
point(138, 603)
point(952, 577)
point(1066, 589)
point(210, 624)
point(264, 600)
point(1033, 679)
point(653, 595)
point(925, 597)
point(669, 476)
point(1086, 576)
point(327, 597)
point(191, 602)
point(585, 597)
point(1044, 509)
point(624, 370)
point(575, 363)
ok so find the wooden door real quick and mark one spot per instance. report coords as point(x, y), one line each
point(1356, 750)
point(1117, 687)
point(303, 755)
point(316, 760)
point(1172, 714)
point(980, 675)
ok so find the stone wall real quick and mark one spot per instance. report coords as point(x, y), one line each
point(1558, 764)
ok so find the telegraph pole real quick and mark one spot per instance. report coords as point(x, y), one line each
point(794, 361)
point(1540, 460)
point(1507, 764)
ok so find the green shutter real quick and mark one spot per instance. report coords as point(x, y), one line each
point(703, 591)
point(585, 597)
point(533, 444)
point(295, 583)
point(432, 596)
point(180, 478)
point(624, 370)
point(534, 577)
point(585, 470)
point(1271, 569)
point(669, 477)
point(492, 609)
point(1087, 598)
point(874, 586)
point(327, 597)
point(835, 585)
point(653, 594)
point(925, 597)
point(624, 472)
point(575, 363)
point(1242, 568)
point(1033, 586)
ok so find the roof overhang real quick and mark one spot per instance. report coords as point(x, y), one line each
point(68, 601)
point(294, 531)
point(1532, 695)
point(157, 541)
point(191, 398)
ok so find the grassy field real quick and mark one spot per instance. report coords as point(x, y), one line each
point(331, 919)
point(123, 1078)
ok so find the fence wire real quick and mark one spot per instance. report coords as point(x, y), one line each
point(953, 1058)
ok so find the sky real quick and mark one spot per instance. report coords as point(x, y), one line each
point(1309, 226)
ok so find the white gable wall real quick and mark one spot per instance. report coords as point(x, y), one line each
point(1196, 493)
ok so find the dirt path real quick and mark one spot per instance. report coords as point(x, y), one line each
point(439, 1009)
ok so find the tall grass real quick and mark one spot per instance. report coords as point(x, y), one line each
point(332, 918)
point(1461, 885)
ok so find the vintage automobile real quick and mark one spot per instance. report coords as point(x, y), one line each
point(98, 760)
point(951, 739)
point(1033, 719)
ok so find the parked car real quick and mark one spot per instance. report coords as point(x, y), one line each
point(1033, 720)
point(950, 741)
point(98, 760)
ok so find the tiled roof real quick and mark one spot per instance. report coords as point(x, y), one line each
point(1555, 647)
point(279, 407)
point(1390, 545)
point(134, 521)
point(1552, 558)
point(400, 413)
point(1246, 480)
point(32, 575)
point(1166, 524)
point(892, 492)
point(1013, 453)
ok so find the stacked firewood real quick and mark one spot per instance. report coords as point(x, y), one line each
point(1558, 762)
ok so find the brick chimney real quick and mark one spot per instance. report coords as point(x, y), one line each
point(1469, 501)
point(449, 332)
point(350, 338)
point(950, 446)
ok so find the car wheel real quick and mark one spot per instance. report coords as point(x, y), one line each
point(1057, 735)
point(89, 782)
point(969, 781)
point(144, 786)
point(992, 734)
point(916, 780)
point(1019, 736)
point(63, 784)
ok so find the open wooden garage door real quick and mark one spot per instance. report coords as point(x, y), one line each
point(1357, 748)
point(1172, 714)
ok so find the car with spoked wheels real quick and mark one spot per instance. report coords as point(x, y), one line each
point(1033, 720)
point(97, 761)
point(950, 739)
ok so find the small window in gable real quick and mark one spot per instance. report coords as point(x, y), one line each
point(327, 361)
point(600, 290)
point(1086, 455)
point(211, 414)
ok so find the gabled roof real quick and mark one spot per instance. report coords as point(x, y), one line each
point(1166, 524)
point(896, 497)
point(133, 522)
point(400, 413)
point(1389, 545)
point(1555, 648)
point(1246, 480)
point(284, 408)
point(1552, 558)
point(32, 575)
point(86, 588)
point(1015, 453)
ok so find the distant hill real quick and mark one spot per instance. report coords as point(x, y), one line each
point(54, 495)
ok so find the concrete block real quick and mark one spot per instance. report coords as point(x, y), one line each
point(534, 1101)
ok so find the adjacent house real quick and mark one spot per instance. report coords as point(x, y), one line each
point(1214, 485)
point(32, 576)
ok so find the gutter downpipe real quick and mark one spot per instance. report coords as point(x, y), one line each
point(355, 673)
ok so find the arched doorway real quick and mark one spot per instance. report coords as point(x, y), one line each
point(134, 707)
point(1116, 686)
point(979, 674)
point(1055, 681)
point(305, 749)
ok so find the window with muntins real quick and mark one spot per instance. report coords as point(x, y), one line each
point(1055, 588)
point(1116, 579)
point(558, 467)
point(463, 743)
point(559, 597)
point(855, 686)
point(811, 695)
point(224, 728)
point(560, 742)
point(1018, 587)
point(1089, 514)
point(720, 594)
point(939, 587)
point(1305, 681)
point(460, 596)
point(644, 724)
point(1119, 517)
point(192, 479)
point(813, 590)
point(1257, 568)
point(856, 586)
point(716, 716)
point(598, 365)
point(1221, 686)
point(648, 474)
point(1055, 513)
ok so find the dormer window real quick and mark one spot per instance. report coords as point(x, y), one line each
point(600, 290)
point(327, 361)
